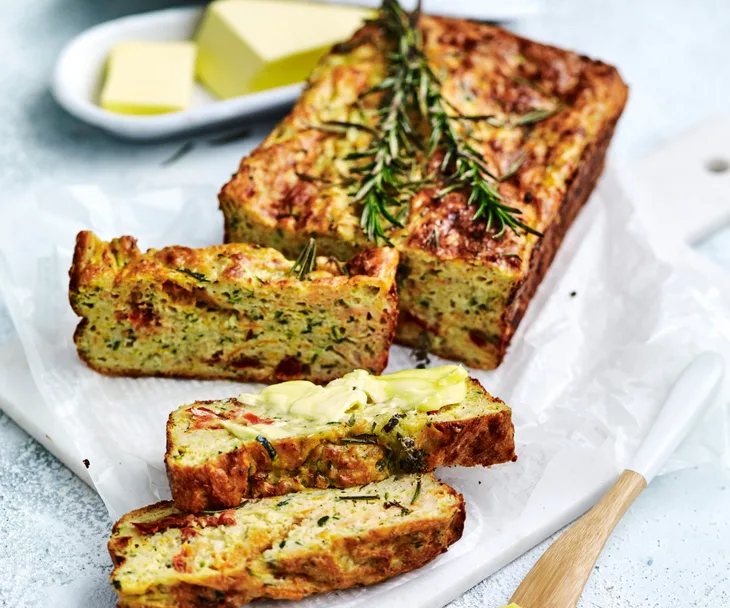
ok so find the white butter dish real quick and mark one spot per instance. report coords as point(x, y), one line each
point(78, 75)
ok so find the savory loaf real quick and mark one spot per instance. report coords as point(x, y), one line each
point(354, 431)
point(547, 117)
point(282, 548)
point(230, 311)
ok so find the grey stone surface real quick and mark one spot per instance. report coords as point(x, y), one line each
point(52, 526)
point(672, 549)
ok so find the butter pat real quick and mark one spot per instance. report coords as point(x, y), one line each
point(149, 77)
point(252, 45)
point(419, 389)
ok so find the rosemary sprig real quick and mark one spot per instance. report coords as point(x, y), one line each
point(529, 118)
point(270, 449)
point(385, 169)
point(306, 261)
point(394, 503)
point(367, 440)
point(341, 126)
point(387, 164)
point(513, 168)
point(464, 167)
point(198, 276)
point(534, 117)
point(364, 497)
point(417, 493)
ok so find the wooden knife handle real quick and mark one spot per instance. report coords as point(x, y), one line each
point(558, 578)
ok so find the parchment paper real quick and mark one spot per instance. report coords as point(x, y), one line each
point(610, 328)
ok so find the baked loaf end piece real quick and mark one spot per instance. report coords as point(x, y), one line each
point(220, 452)
point(464, 289)
point(282, 548)
point(230, 311)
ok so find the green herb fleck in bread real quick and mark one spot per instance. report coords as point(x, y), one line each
point(282, 548)
point(230, 311)
point(358, 429)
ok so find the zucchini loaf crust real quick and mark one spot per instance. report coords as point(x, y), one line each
point(465, 289)
point(282, 548)
point(230, 311)
point(220, 452)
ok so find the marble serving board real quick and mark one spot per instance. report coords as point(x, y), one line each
point(569, 450)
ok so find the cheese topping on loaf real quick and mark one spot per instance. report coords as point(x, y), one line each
point(230, 311)
point(219, 452)
point(282, 548)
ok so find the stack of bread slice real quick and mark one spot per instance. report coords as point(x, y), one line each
point(302, 489)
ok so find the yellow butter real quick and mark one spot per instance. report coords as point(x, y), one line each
point(249, 432)
point(418, 389)
point(252, 45)
point(149, 77)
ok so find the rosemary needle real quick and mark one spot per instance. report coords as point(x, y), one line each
point(306, 261)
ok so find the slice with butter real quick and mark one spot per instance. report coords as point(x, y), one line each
point(149, 77)
point(252, 45)
point(358, 429)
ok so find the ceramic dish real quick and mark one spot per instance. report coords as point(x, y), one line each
point(78, 76)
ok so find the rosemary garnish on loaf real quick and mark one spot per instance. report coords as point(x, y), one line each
point(386, 173)
point(306, 262)
point(392, 171)
point(463, 166)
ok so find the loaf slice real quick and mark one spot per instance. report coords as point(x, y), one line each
point(230, 311)
point(463, 289)
point(220, 452)
point(282, 548)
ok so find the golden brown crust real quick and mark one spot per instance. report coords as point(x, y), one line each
point(137, 293)
point(226, 480)
point(313, 462)
point(488, 72)
point(343, 557)
point(481, 441)
point(96, 262)
point(581, 186)
point(514, 76)
point(373, 558)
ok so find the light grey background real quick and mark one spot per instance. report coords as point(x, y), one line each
point(673, 548)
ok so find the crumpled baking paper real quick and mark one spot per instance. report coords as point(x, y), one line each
point(610, 328)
